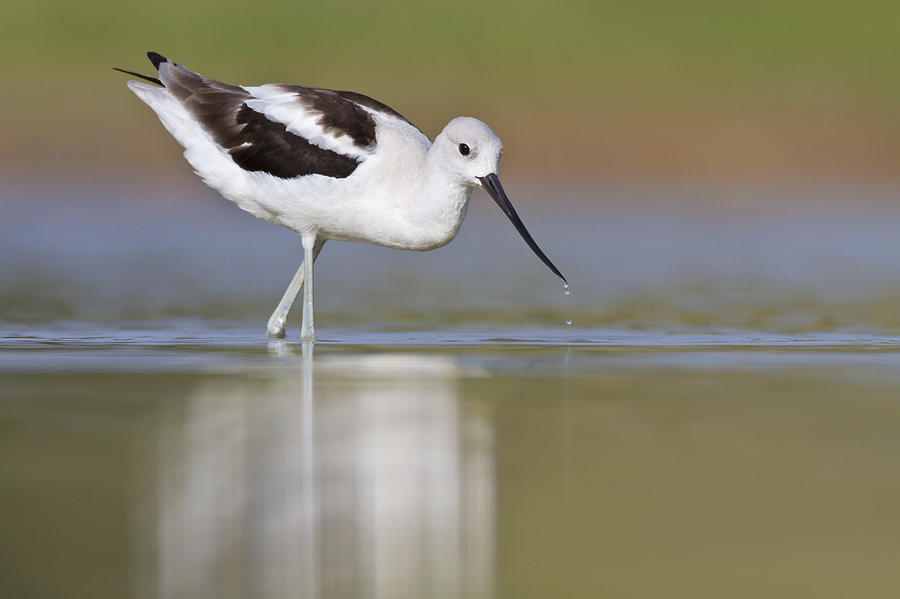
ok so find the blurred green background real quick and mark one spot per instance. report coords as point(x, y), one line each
point(695, 90)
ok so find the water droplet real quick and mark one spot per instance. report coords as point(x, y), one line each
point(566, 289)
point(570, 323)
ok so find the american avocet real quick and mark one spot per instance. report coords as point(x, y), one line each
point(328, 165)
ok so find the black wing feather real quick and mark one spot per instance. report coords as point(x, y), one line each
point(279, 152)
point(254, 142)
point(145, 77)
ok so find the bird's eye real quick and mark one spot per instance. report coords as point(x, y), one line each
point(464, 149)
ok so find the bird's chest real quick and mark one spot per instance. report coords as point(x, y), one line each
point(402, 222)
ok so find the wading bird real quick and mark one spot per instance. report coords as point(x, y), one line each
point(328, 165)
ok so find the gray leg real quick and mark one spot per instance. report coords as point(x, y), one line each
point(278, 319)
point(275, 328)
point(307, 327)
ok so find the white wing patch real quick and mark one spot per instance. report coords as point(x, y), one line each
point(285, 108)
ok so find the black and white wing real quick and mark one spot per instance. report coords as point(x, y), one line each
point(285, 130)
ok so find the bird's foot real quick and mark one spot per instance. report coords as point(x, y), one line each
point(275, 329)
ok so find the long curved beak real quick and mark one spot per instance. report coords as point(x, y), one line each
point(495, 190)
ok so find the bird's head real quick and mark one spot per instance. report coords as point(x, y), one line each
point(471, 151)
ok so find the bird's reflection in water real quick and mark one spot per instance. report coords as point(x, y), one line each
point(335, 476)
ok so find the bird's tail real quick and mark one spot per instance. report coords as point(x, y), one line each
point(156, 59)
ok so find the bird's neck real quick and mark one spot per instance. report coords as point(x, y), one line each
point(439, 207)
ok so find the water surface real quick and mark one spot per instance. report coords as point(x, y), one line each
point(720, 420)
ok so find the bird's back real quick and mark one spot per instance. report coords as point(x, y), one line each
point(275, 149)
